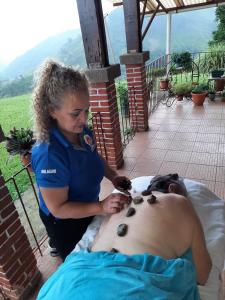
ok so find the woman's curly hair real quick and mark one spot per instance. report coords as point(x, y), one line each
point(53, 81)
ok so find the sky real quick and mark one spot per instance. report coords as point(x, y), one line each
point(25, 23)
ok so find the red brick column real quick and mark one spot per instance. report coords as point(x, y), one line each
point(103, 100)
point(137, 88)
point(18, 266)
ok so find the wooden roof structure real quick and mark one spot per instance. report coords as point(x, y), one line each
point(172, 6)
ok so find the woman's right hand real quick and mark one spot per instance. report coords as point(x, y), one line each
point(114, 203)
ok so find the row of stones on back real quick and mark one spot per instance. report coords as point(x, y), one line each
point(122, 228)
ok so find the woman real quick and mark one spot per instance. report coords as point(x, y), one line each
point(67, 167)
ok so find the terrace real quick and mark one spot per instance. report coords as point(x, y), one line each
point(182, 138)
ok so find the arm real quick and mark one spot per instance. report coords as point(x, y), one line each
point(121, 183)
point(56, 199)
point(200, 253)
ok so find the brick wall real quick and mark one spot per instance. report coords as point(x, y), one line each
point(138, 95)
point(103, 100)
point(18, 266)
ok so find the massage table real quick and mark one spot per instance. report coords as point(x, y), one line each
point(211, 211)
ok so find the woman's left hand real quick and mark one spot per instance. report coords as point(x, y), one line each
point(122, 184)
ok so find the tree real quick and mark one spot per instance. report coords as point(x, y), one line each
point(219, 34)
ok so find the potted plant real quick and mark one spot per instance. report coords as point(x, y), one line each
point(199, 92)
point(122, 90)
point(211, 93)
point(181, 90)
point(164, 83)
point(217, 73)
point(20, 141)
point(182, 60)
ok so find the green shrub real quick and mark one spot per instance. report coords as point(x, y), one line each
point(182, 88)
point(213, 59)
point(182, 59)
point(200, 89)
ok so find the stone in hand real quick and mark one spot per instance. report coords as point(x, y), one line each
point(122, 229)
point(152, 199)
point(131, 211)
point(114, 250)
point(138, 200)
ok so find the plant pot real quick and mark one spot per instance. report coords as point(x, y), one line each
point(26, 159)
point(179, 97)
point(198, 99)
point(212, 96)
point(164, 84)
point(219, 84)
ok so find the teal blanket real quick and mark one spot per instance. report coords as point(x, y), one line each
point(110, 276)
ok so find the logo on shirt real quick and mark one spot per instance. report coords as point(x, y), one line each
point(89, 141)
point(48, 171)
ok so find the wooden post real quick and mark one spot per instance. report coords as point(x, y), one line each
point(101, 77)
point(132, 25)
point(93, 33)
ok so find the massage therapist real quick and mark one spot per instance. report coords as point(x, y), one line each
point(67, 167)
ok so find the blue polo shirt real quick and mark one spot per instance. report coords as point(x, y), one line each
point(59, 164)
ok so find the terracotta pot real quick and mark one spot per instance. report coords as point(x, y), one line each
point(26, 159)
point(219, 84)
point(179, 97)
point(198, 99)
point(164, 84)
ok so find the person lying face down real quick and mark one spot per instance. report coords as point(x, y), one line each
point(167, 228)
point(154, 248)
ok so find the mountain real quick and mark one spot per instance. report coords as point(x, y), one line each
point(30, 60)
point(190, 31)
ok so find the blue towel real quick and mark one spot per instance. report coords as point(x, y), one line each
point(110, 276)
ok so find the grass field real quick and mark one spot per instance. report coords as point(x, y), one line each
point(16, 112)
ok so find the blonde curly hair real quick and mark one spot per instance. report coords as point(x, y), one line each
point(52, 82)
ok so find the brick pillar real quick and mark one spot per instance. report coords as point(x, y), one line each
point(103, 100)
point(18, 266)
point(137, 88)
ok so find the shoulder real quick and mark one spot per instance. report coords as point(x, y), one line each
point(47, 154)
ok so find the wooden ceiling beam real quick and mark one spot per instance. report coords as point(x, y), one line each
point(179, 3)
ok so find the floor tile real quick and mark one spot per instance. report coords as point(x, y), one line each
point(178, 156)
point(184, 128)
point(220, 174)
point(186, 136)
point(160, 144)
point(173, 167)
point(151, 166)
point(181, 145)
point(202, 158)
point(201, 172)
point(208, 137)
point(220, 159)
point(164, 135)
point(153, 154)
point(205, 147)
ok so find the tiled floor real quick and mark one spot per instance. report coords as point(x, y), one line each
point(182, 139)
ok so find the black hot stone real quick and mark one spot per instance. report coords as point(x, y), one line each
point(114, 250)
point(151, 199)
point(122, 229)
point(131, 211)
point(138, 200)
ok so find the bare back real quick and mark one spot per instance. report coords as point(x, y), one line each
point(164, 228)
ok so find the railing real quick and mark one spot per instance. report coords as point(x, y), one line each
point(202, 64)
point(36, 242)
point(95, 124)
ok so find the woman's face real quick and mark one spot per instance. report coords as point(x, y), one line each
point(73, 113)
